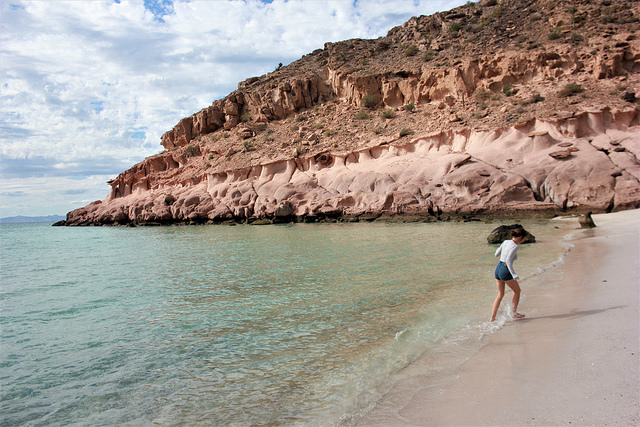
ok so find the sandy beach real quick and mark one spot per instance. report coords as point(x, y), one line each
point(573, 361)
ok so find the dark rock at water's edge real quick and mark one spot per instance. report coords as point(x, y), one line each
point(586, 221)
point(503, 233)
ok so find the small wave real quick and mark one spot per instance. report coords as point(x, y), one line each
point(66, 312)
point(490, 328)
point(399, 334)
point(566, 248)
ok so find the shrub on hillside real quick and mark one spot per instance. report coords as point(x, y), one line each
point(247, 145)
point(388, 113)
point(555, 34)
point(192, 150)
point(362, 115)
point(405, 132)
point(570, 90)
point(369, 101)
point(411, 51)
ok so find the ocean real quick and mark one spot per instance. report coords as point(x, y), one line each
point(293, 324)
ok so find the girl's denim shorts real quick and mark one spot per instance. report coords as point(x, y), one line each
point(502, 272)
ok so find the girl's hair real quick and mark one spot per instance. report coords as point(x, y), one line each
point(518, 232)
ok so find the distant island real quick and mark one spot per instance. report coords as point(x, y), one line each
point(21, 219)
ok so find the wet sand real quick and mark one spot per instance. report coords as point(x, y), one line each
point(573, 361)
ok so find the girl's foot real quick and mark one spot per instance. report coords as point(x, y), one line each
point(518, 316)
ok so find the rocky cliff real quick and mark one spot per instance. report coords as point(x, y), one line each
point(493, 107)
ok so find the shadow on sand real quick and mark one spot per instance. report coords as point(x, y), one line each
point(573, 314)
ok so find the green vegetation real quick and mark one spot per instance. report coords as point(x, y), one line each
point(507, 89)
point(555, 34)
point(192, 150)
point(576, 38)
point(388, 113)
point(246, 118)
point(428, 56)
point(411, 51)
point(497, 12)
point(405, 132)
point(410, 107)
point(362, 115)
point(570, 90)
point(535, 98)
point(369, 101)
point(247, 145)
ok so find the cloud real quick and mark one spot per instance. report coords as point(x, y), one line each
point(94, 85)
point(43, 167)
point(51, 195)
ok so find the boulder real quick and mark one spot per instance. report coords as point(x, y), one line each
point(284, 211)
point(503, 233)
point(586, 221)
point(561, 154)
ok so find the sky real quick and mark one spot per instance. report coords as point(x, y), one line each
point(87, 88)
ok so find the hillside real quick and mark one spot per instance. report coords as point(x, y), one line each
point(493, 107)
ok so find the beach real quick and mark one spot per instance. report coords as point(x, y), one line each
point(572, 361)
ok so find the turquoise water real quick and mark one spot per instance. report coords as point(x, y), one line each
point(234, 325)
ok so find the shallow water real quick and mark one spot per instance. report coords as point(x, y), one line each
point(286, 324)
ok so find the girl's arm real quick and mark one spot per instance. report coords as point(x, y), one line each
point(510, 258)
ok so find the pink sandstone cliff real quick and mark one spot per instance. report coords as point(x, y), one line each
point(418, 123)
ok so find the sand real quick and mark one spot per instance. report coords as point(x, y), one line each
point(573, 361)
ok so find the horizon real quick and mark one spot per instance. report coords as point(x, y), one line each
point(28, 219)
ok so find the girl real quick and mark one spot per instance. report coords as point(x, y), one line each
point(508, 252)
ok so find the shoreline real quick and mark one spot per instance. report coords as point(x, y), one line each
point(572, 360)
point(381, 216)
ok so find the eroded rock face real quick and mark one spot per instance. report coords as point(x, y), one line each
point(423, 85)
point(425, 121)
point(471, 172)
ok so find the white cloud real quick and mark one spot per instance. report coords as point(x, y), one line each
point(51, 195)
point(92, 83)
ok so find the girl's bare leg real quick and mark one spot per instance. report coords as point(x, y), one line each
point(496, 303)
point(515, 287)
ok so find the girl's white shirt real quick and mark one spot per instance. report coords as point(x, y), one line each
point(508, 252)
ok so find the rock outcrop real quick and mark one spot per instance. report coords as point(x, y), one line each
point(490, 108)
point(503, 232)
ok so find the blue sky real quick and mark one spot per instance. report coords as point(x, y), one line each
point(88, 87)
